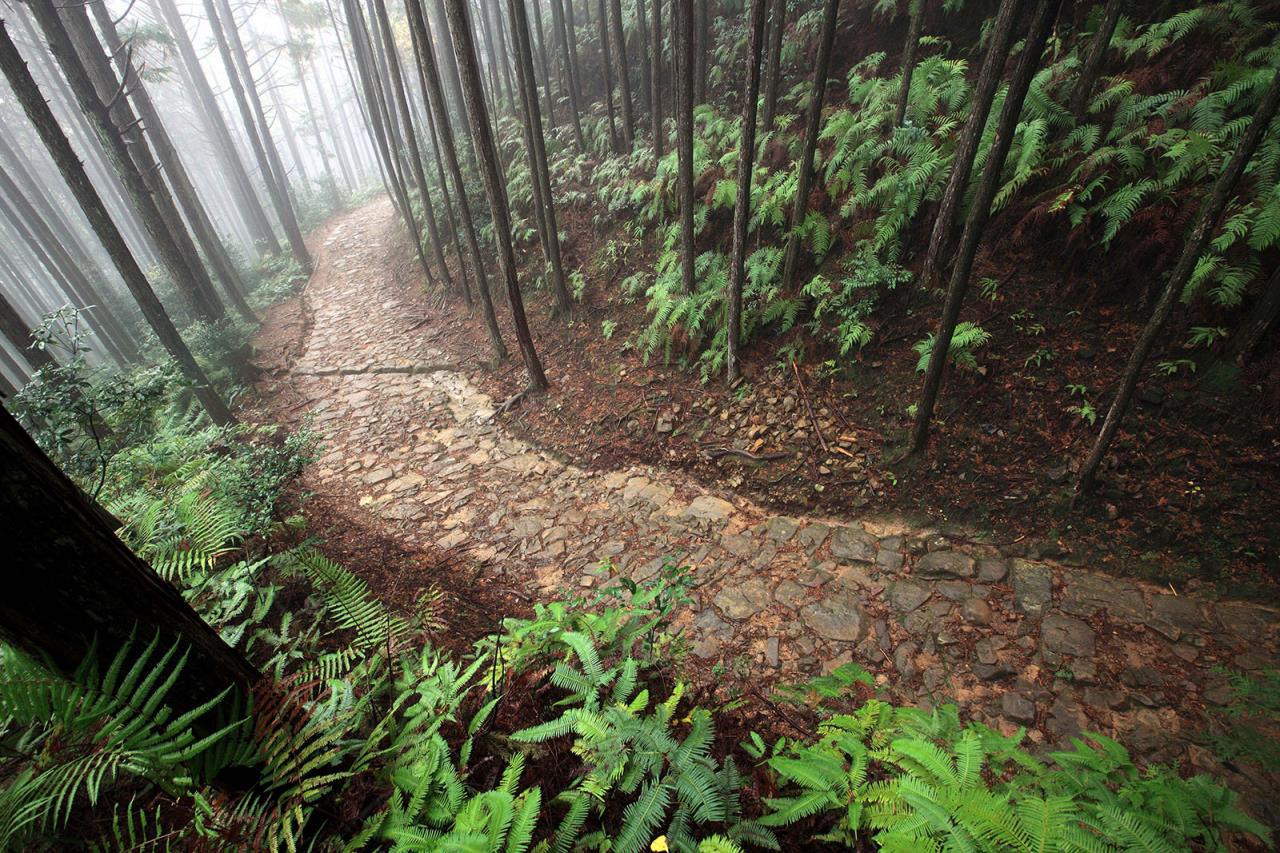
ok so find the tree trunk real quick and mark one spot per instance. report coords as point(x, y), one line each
point(539, 172)
point(655, 95)
point(183, 190)
point(37, 109)
point(701, 51)
point(1028, 62)
point(81, 591)
point(1206, 222)
point(683, 64)
point(742, 205)
point(250, 207)
point(255, 126)
point(606, 63)
point(128, 164)
point(646, 65)
point(1261, 317)
point(543, 61)
point(1094, 58)
point(414, 153)
point(17, 332)
point(988, 80)
point(487, 153)
point(831, 10)
point(566, 57)
point(624, 70)
point(446, 60)
point(908, 64)
point(773, 67)
point(417, 18)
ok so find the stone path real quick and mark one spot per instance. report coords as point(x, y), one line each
point(1015, 638)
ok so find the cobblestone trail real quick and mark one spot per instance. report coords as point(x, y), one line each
point(1014, 639)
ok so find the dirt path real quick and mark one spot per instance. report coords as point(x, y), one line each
point(414, 450)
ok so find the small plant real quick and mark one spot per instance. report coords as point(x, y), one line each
point(607, 328)
point(965, 342)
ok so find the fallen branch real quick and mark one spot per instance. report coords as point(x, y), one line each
point(813, 419)
point(713, 452)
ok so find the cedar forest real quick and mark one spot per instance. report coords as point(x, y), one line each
point(640, 425)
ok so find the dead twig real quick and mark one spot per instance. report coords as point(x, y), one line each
point(713, 452)
point(804, 398)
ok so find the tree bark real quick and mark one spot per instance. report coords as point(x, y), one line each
point(17, 332)
point(543, 61)
point(1261, 317)
point(967, 148)
point(909, 60)
point(419, 19)
point(1028, 62)
point(742, 205)
point(239, 74)
point(487, 153)
point(1094, 58)
point(773, 67)
point(682, 58)
point(566, 57)
point(655, 79)
point(75, 589)
point(701, 49)
point(624, 71)
point(831, 10)
point(606, 63)
point(247, 202)
point(46, 125)
point(646, 68)
point(128, 164)
point(539, 172)
point(1210, 213)
point(184, 190)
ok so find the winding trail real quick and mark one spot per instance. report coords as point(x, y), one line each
point(414, 448)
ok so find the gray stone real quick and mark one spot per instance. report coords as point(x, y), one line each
point(906, 596)
point(771, 651)
point(811, 536)
point(1066, 719)
point(904, 659)
point(1172, 615)
point(709, 508)
point(1018, 708)
point(835, 618)
point(992, 570)
point(1247, 621)
point(1065, 635)
point(976, 611)
point(890, 561)
point(1032, 587)
point(738, 545)
point(945, 564)
point(781, 528)
point(852, 543)
point(378, 476)
point(789, 594)
point(1085, 593)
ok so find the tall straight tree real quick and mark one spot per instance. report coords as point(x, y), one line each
point(247, 203)
point(606, 62)
point(544, 64)
point(742, 204)
point(830, 11)
point(81, 591)
point(1042, 18)
point(773, 64)
point(1206, 222)
point(294, 48)
point(401, 95)
point(655, 79)
point(69, 166)
point(184, 191)
point(624, 72)
point(908, 64)
point(566, 57)
point(418, 19)
point(1094, 56)
point(537, 150)
point(701, 50)
point(683, 64)
point(129, 165)
point(487, 153)
point(642, 47)
point(239, 75)
point(984, 92)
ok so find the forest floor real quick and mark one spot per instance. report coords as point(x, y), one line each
point(425, 483)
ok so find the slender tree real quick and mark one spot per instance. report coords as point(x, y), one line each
point(908, 65)
point(247, 203)
point(619, 53)
point(773, 64)
point(487, 153)
point(1206, 222)
point(606, 62)
point(683, 64)
point(239, 75)
point(804, 175)
point(655, 80)
point(131, 164)
point(184, 191)
point(418, 19)
point(17, 332)
point(1001, 37)
point(701, 50)
point(1261, 317)
point(519, 26)
point(566, 58)
point(1042, 18)
point(64, 157)
point(642, 48)
point(544, 64)
point(742, 204)
point(81, 591)
point(1094, 57)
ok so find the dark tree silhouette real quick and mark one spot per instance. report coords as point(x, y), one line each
point(909, 49)
point(682, 58)
point(773, 67)
point(624, 71)
point(1094, 58)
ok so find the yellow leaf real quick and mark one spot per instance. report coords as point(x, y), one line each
point(659, 844)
